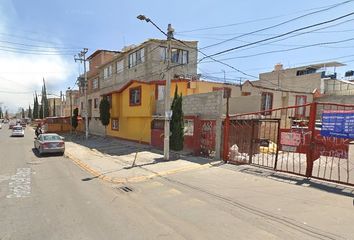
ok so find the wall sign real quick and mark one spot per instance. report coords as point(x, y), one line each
point(290, 138)
point(338, 123)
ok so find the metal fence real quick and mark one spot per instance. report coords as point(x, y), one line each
point(290, 140)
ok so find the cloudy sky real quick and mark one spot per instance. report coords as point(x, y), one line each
point(39, 38)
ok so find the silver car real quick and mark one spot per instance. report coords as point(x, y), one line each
point(49, 143)
point(18, 131)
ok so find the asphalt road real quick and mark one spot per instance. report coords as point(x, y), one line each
point(52, 198)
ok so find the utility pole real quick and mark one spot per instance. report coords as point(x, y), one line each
point(82, 58)
point(169, 35)
point(61, 103)
point(166, 148)
point(71, 112)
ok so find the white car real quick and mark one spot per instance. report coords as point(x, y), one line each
point(49, 143)
point(18, 131)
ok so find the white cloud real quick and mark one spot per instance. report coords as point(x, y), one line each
point(22, 74)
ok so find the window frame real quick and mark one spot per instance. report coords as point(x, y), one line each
point(113, 127)
point(95, 103)
point(130, 96)
point(181, 56)
point(263, 105)
point(120, 66)
point(137, 57)
point(300, 111)
point(95, 80)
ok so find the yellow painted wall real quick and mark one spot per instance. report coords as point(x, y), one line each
point(134, 121)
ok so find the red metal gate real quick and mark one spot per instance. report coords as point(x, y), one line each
point(289, 140)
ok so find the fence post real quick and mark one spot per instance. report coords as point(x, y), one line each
point(226, 138)
point(311, 149)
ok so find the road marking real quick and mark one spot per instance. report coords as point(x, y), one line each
point(20, 183)
point(4, 178)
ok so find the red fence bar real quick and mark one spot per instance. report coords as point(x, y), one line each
point(310, 152)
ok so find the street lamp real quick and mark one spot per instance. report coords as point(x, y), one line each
point(169, 35)
point(71, 112)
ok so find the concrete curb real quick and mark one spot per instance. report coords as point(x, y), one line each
point(102, 176)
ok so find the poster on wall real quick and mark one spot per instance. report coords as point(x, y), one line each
point(338, 123)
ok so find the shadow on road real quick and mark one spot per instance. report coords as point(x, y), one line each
point(46, 155)
point(294, 180)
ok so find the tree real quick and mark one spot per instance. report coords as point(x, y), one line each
point(104, 112)
point(74, 121)
point(45, 102)
point(23, 113)
point(35, 107)
point(54, 108)
point(177, 123)
point(29, 112)
point(1, 114)
point(40, 114)
point(7, 115)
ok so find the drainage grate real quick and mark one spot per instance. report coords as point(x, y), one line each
point(124, 189)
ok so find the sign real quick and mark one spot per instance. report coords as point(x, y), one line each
point(338, 123)
point(288, 148)
point(290, 138)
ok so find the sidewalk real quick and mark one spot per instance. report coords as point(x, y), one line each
point(119, 161)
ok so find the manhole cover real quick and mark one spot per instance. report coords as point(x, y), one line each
point(124, 189)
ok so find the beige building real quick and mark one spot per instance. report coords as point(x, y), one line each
point(72, 99)
point(55, 107)
point(109, 71)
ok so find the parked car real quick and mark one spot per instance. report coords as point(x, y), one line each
point(23, 124)
point(11, 125)
point(49, 143)
point(18, 131)
point(0, 125)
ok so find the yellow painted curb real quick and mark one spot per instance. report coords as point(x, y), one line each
point(106, 178)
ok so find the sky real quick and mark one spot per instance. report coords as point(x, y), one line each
point(39, 38)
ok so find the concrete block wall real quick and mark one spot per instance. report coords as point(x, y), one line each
point(206, 105)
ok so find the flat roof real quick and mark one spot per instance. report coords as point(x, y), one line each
point(321, 65)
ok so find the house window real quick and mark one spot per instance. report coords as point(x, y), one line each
point(163, 53)
point(267, 102)
point(120, 66)
point(135, 96)
point(136, 57)
point(95, 103)
point(115, 124)
point(179, 56)
point(300, 100)
point(245, 93)
point(107, 72)
point(188, 127)
point(95, 83)
point(160, 92)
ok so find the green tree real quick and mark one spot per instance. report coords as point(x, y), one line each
point(40, 114)
point(177, 123)
point(29, 112)
point(7, 115)
point(23, 113)
point(45, 101)
point(1, 114)
point(74, 121)
point(35, 107)
point(54, 108)
point(104, 112)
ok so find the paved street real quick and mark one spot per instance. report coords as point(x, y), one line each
point(46, 198)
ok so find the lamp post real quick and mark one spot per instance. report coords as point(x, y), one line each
point(169, 35)
point(71, 112)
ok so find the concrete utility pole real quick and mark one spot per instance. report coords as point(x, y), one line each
point(168, 113)
point(71, 112)
point(82, 58)
point(61, 103)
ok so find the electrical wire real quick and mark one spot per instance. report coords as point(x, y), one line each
point(263, 19)
point(281, 35)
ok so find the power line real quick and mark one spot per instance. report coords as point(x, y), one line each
point(257, 20)
point(281, 35)
point(37, 46)
point(290, 49)
point(280, 24)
